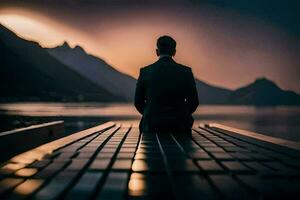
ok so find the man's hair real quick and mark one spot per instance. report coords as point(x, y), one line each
point(166, 45)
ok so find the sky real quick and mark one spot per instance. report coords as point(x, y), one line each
point(227, 43)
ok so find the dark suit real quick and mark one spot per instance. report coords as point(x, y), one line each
point(166, 96)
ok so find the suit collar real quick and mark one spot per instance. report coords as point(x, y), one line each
point(165, 58)
point(164, 55)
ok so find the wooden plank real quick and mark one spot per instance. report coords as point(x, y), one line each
point(155, 161)
point(39, 152)
point(257, 136)
point(19, 140)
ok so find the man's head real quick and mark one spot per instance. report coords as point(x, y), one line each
point(166, 46)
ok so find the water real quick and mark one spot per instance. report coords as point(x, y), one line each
point(282, 122)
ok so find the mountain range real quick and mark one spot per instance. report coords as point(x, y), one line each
point(95, 69)
point(29, 72)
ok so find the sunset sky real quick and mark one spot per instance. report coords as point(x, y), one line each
point(226, 44)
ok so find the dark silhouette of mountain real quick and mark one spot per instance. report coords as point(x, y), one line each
point(264, 92)
point(30, 73)
point(96, 70)
point(211, 94)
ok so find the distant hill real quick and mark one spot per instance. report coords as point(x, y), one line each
point(211, 94)
point(29, 73)
point(264, 92)
point(96, 70)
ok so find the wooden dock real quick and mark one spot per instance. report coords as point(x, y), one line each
point(23, 139)
point(115, 161)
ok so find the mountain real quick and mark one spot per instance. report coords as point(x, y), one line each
point(209, 94)
point(96, 70)
point(264, 92)
point(29, 73)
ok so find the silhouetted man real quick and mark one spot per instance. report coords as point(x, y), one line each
point(166, 93)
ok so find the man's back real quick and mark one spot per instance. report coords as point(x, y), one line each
point(166, 96)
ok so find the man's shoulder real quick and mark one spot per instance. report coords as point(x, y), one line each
point(178, 66)
point(146, 68)
point(184, 67)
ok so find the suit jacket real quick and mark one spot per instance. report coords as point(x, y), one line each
point(166, 96)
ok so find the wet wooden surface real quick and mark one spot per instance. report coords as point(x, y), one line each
point(23, 139)
point(116, 161)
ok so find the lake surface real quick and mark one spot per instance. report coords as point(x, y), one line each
point(283, 122)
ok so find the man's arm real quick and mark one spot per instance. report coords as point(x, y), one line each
point(192, 96)
point(139, 99)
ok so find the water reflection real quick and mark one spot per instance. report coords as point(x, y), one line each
point(128, 110)
point(279, 121)
point(68, 109)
